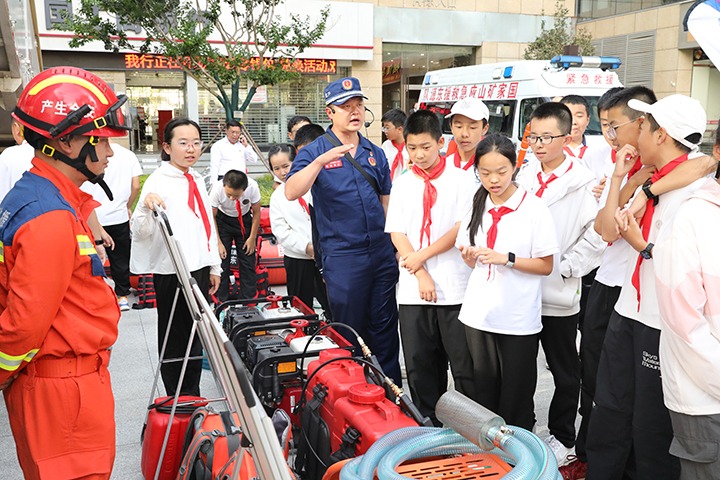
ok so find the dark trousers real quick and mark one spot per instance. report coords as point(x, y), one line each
point(629, 411)
point(586, 284)
point(305, 282)
point(505, 374)
point(432, 336)
point(120, 257)
point(600, 305)
point(695, 443)
point(229, 231)
point(361, 289)
point(165, 287)
point(558, 341)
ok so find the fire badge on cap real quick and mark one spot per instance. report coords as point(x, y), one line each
point(347, 84)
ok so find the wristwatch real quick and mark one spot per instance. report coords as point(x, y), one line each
point(648, 193)
point(647, 253)
point(511, 260)
point(99, 242)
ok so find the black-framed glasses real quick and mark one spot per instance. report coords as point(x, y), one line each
point(543, 139)
point(612, 129)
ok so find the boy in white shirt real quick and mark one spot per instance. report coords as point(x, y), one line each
point(394, 147)
point(629, 401)
point(566, 187)
point(686, 275)
point(235, 204)
point(425, 210)
point(469, 124)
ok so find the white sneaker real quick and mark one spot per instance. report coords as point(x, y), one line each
point(560, 451)
point(123, 303)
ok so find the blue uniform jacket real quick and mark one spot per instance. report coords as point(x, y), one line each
point(349, 215)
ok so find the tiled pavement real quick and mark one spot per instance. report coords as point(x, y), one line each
point(133, 364)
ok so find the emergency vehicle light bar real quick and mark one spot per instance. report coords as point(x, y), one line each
point(603, 63)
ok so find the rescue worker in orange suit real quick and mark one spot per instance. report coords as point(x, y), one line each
point(58, 317)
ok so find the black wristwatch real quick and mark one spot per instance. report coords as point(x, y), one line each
point(511, 260)
point(647, 253)
point(648, 193)
point(99, 242)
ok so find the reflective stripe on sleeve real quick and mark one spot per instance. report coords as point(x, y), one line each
point(85, 245)
point(12, 362)
point(2, 253)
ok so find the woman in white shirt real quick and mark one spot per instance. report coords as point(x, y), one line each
point(509, 240)
point(292, 226)
point(181, 192)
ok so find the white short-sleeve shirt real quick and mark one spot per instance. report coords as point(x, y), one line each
point(501, 299)
point(405, 214)
point(219, 200)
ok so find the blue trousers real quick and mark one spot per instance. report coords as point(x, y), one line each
point(361, 289)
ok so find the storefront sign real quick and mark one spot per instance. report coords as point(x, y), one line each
point(450, 4)
point(310, 66)
point(391, 72)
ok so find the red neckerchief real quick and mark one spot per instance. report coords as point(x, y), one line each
point(569, 151)
point(238, 207)
point(398, 161)
point(635, 168)
point(496, 214)
point(304, 205)
point(194, 196)
point(429, 195)
point(646, 221)
point(551, 178)
point(467, 166)
point(613, 156)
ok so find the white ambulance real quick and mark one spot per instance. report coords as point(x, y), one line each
point(512, 90)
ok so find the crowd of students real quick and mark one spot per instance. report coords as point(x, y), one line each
point(478, 261)
point(495, 263)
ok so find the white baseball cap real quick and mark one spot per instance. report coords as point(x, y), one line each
point(680, 116)
point(473, 108)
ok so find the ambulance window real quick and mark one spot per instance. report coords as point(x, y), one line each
point(501, 116)
point(527, 106)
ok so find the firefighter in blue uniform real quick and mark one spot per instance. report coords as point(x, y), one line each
point(359, 265)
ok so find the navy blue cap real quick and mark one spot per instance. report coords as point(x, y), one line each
point(340, 91)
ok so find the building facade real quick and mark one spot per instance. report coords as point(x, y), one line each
point(388, 44)
point(656, 50)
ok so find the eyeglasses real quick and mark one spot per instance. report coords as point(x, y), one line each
point(543, 139)
point(612, 129)
point(197, 145)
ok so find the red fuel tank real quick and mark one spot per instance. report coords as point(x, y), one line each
point(366, 409)
point(154, 434)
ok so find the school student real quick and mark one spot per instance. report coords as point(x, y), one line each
point(629, 410)
point(566, 187)
point(469, 124)
point(687, 269)
point(605, 288)
point(394, 147)
point(292, 226)
point(595, 158)
point(426, 206)
point(177, 188)
point(508, 239)
point(235, 202)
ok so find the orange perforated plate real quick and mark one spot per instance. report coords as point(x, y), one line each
point(466, 467)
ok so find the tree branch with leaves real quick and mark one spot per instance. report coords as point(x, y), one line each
point(551, 41)
point(253, 42)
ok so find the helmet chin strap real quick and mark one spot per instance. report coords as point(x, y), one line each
point(78, 163)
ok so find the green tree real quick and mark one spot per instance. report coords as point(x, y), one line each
point(551, 42)
point(256, 44)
